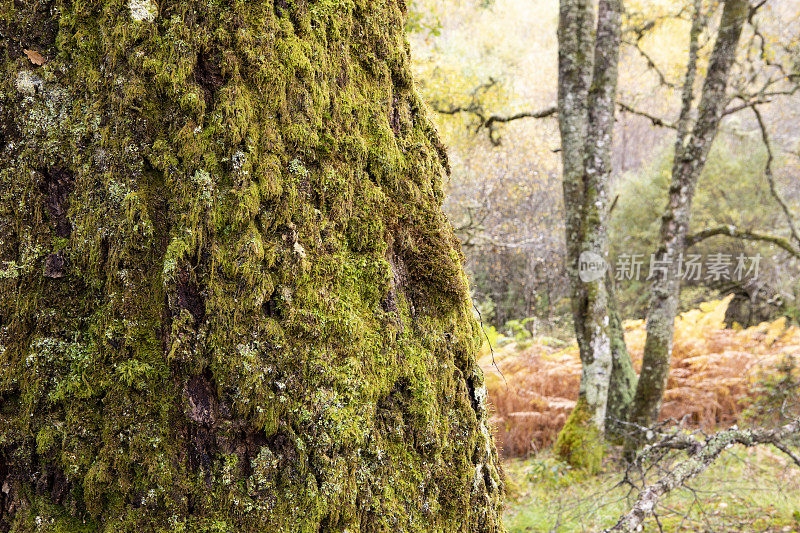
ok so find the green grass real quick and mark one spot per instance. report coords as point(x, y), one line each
point(755, 490)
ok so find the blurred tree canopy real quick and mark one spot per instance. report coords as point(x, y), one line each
point(476, 60)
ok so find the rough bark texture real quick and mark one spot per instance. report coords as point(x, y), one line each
point(622, 383)
point(691, 150)
point(587, 92)
point(574, 78)
point(230, 299)
point(596, 174)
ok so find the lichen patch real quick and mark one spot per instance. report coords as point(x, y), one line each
point(143, 10)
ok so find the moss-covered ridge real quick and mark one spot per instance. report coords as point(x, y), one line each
point(230, 300)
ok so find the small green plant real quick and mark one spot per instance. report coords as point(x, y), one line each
point(521, 330)
point(550, 471)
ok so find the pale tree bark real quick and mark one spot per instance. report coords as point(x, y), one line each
point(622, 383)
point(691, 150)
point(596, 173)
point(574, 78)
point(586, 102)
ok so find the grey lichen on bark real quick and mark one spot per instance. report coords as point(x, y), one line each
point(702, 455)
point(587, 94)
point(691, 150)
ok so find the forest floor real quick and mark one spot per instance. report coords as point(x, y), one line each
point(746, 490)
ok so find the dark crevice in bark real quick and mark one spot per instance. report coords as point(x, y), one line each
point(56, 185)
point(190, 296)
point(273, 307)
point(394, 116)
point(53, 483)
point(208, 74)
point(202, 413)
point(55, 265)
point(472, 397)
point(37, 31)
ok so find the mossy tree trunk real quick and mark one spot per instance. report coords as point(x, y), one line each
point(587, 98)
point(230, 299)
point(691, 150)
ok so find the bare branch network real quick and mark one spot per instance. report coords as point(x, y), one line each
point(701, 454)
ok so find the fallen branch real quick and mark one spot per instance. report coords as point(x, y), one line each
point(701, 456)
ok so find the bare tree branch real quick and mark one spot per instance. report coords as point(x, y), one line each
point(544, 113)
point(747, 104)
point(701, 456)
point(732, 231)
point(490, 122)
point(651, 64)
point(656, 121)
point(768, 172)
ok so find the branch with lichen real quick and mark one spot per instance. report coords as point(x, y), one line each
point(701, 455)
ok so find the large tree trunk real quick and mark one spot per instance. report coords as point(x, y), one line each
point(691, 151)
point(230, 300)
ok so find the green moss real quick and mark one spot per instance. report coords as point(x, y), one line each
point(263, 321)
point(580, 443)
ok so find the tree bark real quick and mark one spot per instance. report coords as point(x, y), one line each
point(587, 92)
point(622, 383)
point(231, 300)
point(596, 173)
point(574, 78)
point(691, 151)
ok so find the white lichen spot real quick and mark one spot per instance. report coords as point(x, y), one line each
point(206, 185)
point(28, 83)
point(143, 10)
point(477, 480)
point(297, 168)
point(487, 441)
point(238, 161)
point(480, 396)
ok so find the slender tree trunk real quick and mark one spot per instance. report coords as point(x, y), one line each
point(622, 384)
point(596, 173)
point(574, 78)
point(691, 151)
point(587, 95)
point(586, 123)
point(230, 299)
